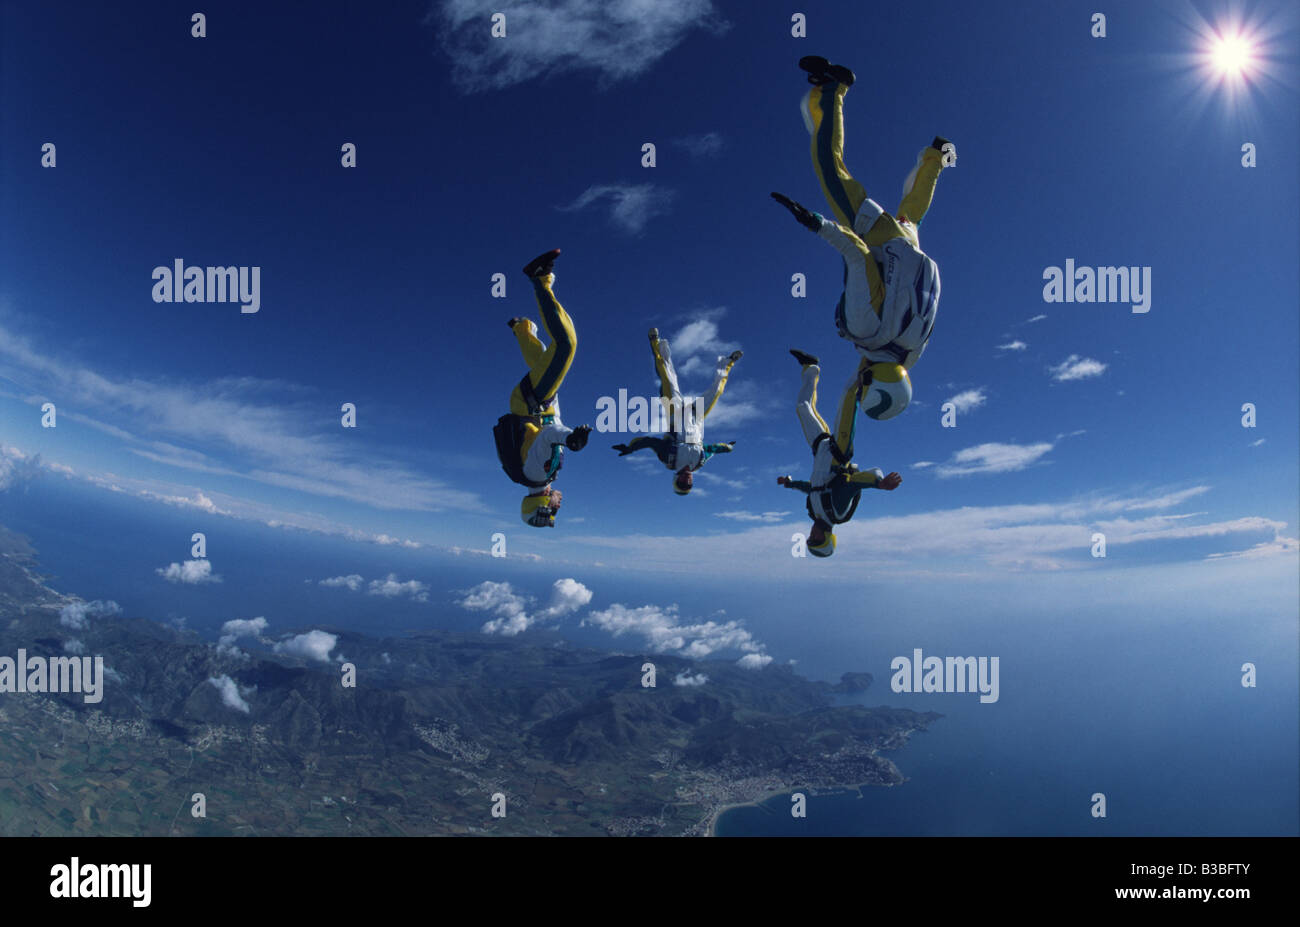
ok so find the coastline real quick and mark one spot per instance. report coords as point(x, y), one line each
point(712, 827)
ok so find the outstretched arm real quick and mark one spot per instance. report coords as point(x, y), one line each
point(804, 216)
point(639, 444)
point(802, 486)
point(876, 479)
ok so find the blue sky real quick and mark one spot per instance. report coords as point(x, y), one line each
point(474, 154)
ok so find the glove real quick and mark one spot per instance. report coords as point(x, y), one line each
point(809, 220)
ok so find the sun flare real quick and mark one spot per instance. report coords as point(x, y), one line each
point(1231, 55)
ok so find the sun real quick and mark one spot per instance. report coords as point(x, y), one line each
point(1232, 55)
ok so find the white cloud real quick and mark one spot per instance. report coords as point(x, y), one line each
point(1258, 442)
point(197, 501)
point(754, 661)
point(1037, 318)
point(922, 464)
point(768, 518)
point(72, 645)
point(993, 458)
point(664, 632)
point(567, 595)
point(1279, 546)
point(1075, 367)
point(616, 40)
point(314, 645)
point(77, 615)
point(389, 587)
point(686, 679)
point(190, 572)
point(1016, 345)
point(16, 467)
point(352, 581)
point(230, 696)
point(701, 146)
point(700, 336)
point(967, 400)
point(971, 543)
point(1168, 500)
point(512, 609)
point(237, 628)
point(631, 206)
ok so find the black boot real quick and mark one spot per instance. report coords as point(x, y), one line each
point(541, 265)
point(820, 71)
point(804, 359)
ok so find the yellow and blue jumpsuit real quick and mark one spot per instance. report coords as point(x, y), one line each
point(535, 396)
point(891, 286)
point(835, 485)
point(682, 445)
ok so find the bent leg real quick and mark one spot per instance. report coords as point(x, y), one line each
point(719, 384)
point(918, 189)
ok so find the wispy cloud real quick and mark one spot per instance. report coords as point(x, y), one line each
point(707, 145)
point(967, 400)
point(631, 205)
point(231, 696)
point(616, 40)
point(1075, 367)
point(767, 518)
point(993, 458)
point(1037, 318)
point(1016, 345)
point(243, 418)
point(950, 544)
point(351, 581)
point(77, 615)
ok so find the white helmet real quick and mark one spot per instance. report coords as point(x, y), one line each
point(886, 392)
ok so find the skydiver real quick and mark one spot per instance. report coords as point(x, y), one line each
point(681, 448)
point(836, 484)
point(891, 292)
point(531, 439)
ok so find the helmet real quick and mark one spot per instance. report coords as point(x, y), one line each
point(825, 548)
point(538, 512)
point(886, 391)
point(683, 481)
